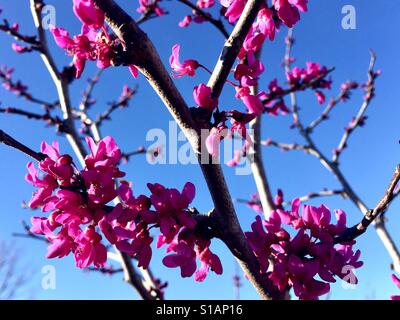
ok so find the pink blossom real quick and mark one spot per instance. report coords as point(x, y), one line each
point(212, 142)
point(288, 10)
point(236, 159)
point(202, 97)
point(208, 260)
point(20, 49)
point(185, 22)
point(150, 6)
point(133, 70)
point(203, 4)
point(252, 102)
point(255, 203)
point(311, 252)
point(90, 250)
point(320, 96)
point(234, 9)
point(249, 72)
point(184, 258)
point(88, 14)
point(88, 45)
point(265, 23)
point(187, 67)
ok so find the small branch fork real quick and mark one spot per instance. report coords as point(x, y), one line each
point(357, 230)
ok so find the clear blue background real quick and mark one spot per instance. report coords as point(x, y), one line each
point(368, 163)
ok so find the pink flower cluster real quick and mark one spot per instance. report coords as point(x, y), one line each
point(79, 215)
point(313, 74)
point(150, 7)
point(93, 43)
point(312, 252)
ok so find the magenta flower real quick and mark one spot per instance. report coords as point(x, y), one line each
point(265, 23)
point(187, 67)
point(320, 96)
point(150, 6)
point(396, 281)
point(212, 142)
point(88, 14)
point(252, 102)
point(203, 4)
point(89, 45)
point(185, 21)
point(90, 250)
point(311, 252)
point(234, 9)
point(288, 10)
point(202, 97)
point(184, 258)
point(209, 261)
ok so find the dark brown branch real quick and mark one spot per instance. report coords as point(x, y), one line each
point(357, 230)
point(215, 22)
point(31, 115)
point(31, 40)
point(11, 142)
point(232, 47)
point(87, 94)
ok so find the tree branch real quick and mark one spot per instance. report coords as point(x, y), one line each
point(11, 142)
point(357, 230)
point(60, 83)
point(232, 47)
point(215, 22)
point(359, 119)
point(141, 52)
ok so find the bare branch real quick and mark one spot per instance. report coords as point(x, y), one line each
point(357, 230)
point(256, 160)
point(359, 119)
point(11, 142)
point(60, 83)
point(232, 47)
point(343, 95)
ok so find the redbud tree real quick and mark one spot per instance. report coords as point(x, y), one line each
point(85, 207)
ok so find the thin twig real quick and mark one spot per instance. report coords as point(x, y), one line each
point(344, 94)
point(359, 119)
point(215, 22)
point(11, 142)
point(256, 160)
point(357, 230)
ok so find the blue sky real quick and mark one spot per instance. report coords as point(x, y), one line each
point(368, 163)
